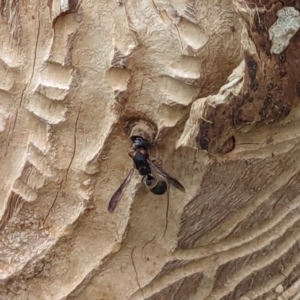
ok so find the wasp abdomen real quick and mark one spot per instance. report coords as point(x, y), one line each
point(160, 188)
point(155, 186)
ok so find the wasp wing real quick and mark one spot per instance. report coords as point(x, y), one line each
point(116, 197)
point(159, 172)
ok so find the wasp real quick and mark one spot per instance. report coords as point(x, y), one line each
point(155, 178)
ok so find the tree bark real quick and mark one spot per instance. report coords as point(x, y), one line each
point(220, 83)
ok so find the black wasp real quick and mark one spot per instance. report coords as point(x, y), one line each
point(154, 177)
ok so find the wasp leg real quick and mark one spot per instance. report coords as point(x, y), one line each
point(131, 153)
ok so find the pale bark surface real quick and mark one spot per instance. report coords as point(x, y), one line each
point(208, 76)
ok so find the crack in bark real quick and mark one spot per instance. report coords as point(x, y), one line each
point(136, 272)
point(74, 144)
point(148, 242)
point(53, 203)
point(69, 166)
point(28, 84)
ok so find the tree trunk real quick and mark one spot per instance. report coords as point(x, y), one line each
point(219, 81)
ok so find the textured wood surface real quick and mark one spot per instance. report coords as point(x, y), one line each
point(226, 109)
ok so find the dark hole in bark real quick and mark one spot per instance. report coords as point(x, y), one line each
point(228, 146)
point(282, 73)
point(282, 57)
